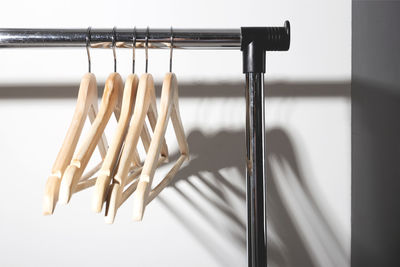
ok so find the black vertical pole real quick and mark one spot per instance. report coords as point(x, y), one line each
point(255, 42)
point(256, 237)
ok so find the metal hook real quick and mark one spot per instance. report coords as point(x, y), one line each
point(134, 48)
point(114, 37)
point(88, 39)
point(147, 48)
point(172, 47)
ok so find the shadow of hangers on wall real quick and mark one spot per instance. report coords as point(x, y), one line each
point(287, 244)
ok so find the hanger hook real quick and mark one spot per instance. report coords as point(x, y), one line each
point(171, 49)
point(147, 48)
point(114, 37)
point(88, 39)
point(133, 49)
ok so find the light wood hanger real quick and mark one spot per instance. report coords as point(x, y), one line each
point(86, 106)
point(169, 109)
point(145, 104)
point(111, 102)
point(108, 168)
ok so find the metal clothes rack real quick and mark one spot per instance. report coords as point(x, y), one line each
point(252, 41)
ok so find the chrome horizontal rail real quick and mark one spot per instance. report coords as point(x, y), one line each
point(270, 38)
point(102, 38)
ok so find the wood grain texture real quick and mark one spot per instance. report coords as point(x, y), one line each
point(110, 164)
point(169, 109)
point(86, 106)
point(105, 174)
point(110, 103)
point(145, 105)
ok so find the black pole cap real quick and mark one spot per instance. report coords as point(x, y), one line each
point(257, 40)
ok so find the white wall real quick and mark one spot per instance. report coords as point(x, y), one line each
point(201, 220)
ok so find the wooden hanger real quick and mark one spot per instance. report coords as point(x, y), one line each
point(109, 166)
point(111, 102)
point(169, 109)
point(86, 106)
point(145, 104)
